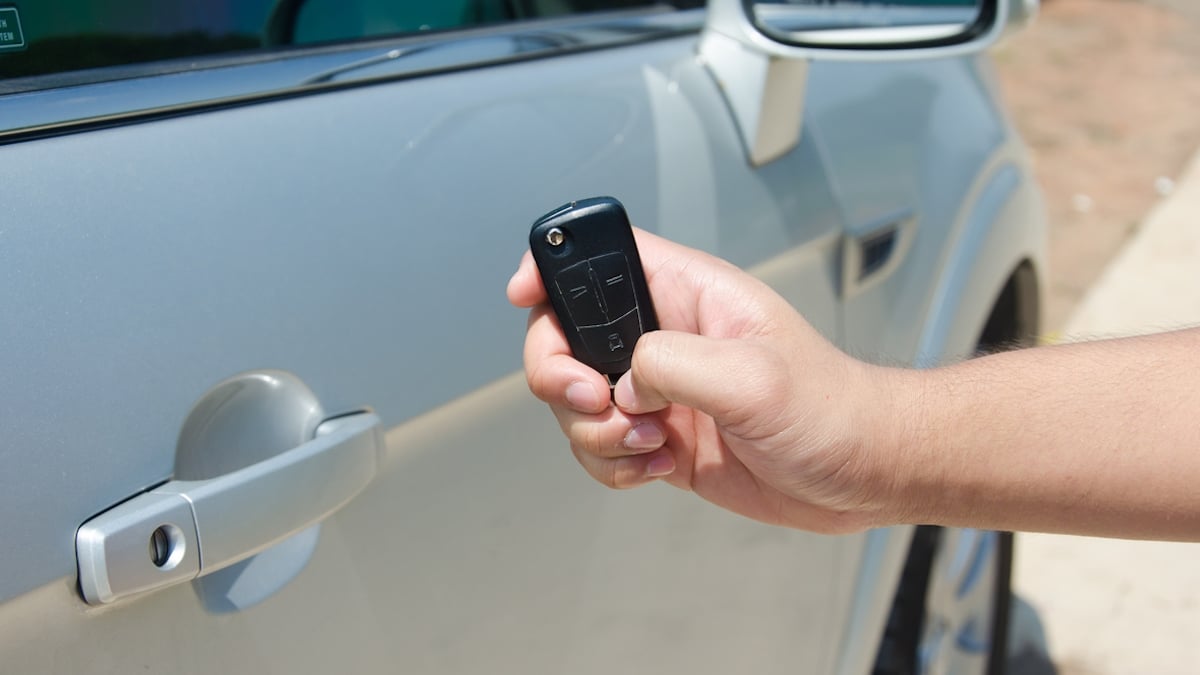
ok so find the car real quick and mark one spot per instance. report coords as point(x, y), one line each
point(261, 399)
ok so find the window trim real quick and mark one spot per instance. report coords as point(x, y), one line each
point(160, 90)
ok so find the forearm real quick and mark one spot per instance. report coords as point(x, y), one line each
point(1095, 438)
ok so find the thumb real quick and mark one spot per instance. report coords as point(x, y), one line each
point(727, 379)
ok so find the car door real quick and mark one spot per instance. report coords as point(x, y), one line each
point(331, 225)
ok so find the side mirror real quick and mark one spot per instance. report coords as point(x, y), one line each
point(891, 24)
point(758, 50)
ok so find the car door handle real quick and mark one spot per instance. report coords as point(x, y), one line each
point(182, 530)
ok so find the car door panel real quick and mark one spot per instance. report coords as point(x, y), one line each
point(361, 239)
point(924, 161)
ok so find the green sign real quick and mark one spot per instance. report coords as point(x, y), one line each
point(11, 36)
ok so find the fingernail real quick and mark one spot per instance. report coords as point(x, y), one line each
point(660, 466)
point(623, 392)
point(582, 396)
point(644, 437)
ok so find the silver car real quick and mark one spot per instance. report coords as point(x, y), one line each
point(261, 407)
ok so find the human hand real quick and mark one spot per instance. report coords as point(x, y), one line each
point(737, 398)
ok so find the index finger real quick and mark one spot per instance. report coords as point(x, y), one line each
point(525, 288)
point(553, 373)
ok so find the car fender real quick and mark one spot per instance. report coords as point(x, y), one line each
point(1001, 226)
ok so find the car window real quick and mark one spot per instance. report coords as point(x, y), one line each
point(42, 37)
point(328, 20)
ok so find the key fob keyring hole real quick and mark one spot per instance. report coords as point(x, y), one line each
point(565, 245)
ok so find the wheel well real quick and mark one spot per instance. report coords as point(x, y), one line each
point(1015, 317)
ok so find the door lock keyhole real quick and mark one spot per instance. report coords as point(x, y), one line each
point(166, 546)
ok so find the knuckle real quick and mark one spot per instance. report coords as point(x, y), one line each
point(535, 377)
point(611, 473)
point(601, 470)
point(534, 385)
point(546, 379)
point(622, 478)
point(591, 438)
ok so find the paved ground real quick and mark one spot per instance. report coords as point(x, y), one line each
point(1110, 606)
point(1106, 94)
point(1186, 7)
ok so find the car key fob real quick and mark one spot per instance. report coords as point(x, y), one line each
point(590, 267)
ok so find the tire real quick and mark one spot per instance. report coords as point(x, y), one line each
point(1002, 608)
point(908, 622)
point(898, 648)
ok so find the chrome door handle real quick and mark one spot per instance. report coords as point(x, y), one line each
point(186, 529)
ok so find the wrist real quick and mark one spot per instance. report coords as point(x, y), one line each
point(896, 442)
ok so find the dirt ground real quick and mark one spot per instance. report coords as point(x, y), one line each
point(1107, 95)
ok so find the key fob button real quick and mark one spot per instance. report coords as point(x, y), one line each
point(576, 287)
point(612, 276)
point(613, 341)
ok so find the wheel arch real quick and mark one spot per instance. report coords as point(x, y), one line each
point(993, 277)
point(1015, 317)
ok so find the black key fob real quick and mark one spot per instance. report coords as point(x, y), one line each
point(589, 264)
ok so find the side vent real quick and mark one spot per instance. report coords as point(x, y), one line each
point(874, 250)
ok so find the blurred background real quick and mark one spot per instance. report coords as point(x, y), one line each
point(1107, 96)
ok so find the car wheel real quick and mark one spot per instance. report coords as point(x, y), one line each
point(950, 613)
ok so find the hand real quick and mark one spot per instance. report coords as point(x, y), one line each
point(737, 398)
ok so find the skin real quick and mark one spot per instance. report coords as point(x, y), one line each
point(741, 401)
